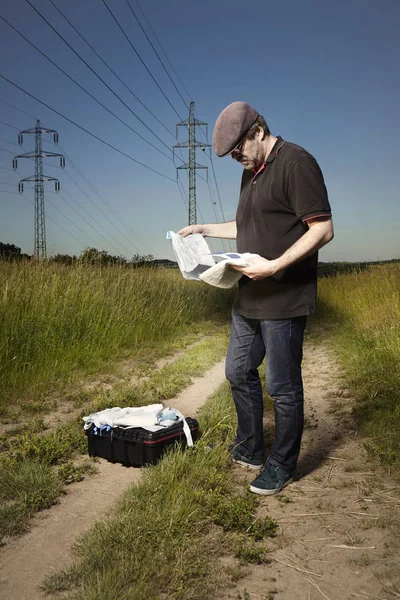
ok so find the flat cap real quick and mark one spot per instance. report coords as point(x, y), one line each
point(232, 124)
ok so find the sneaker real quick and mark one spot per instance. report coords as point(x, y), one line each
point(271, 481)
point(244, 461)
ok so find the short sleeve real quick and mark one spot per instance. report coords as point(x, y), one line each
point(307, 191)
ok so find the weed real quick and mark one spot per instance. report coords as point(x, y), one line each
point(363, 561)
point(284, 499)
point(237, 514)
point(250, 553)
point(51, 449)
point(70, 473)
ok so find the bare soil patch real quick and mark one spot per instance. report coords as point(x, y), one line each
point(339, 522)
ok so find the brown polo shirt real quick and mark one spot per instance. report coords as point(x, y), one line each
point(274, 206)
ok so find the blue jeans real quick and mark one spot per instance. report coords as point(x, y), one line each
point(282, 343)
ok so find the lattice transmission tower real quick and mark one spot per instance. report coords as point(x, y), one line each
point(192, 165)
point(39, 250)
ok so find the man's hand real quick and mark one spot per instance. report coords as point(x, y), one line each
point(258, 268)
point(185, 231)
point(218, 230)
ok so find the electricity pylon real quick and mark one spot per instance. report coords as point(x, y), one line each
point(39, 251)
point(192, 166)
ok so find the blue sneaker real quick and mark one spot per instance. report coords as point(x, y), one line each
point(271, 481)
point(250, 463)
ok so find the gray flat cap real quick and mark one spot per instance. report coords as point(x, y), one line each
point(232, 124)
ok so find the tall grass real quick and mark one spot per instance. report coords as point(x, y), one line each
point(364, 310)
point(55, 319)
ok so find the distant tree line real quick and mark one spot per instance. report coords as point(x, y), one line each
point(337, 268)
point(11, 252)
point(93, 256)
point(89, 256)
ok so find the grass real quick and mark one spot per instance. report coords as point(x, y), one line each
point(360, 312)
point(57, 321)
point(55, 450)
point(168, 534)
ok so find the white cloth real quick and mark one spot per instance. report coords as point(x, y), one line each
point(148, 417)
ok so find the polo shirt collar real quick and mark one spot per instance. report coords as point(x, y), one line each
point(274, 151)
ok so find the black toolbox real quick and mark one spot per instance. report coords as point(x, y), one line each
point(135, 446)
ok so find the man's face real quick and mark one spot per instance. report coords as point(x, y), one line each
point(250, 153)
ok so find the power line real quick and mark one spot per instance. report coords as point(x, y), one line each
point(8, 142)
point(162, 49)
point(110, 68)
point(103, 213)
point(88, 222)
point(109, 206)
point(7, 124)
point(20, 110)
point(4, 150)
point(140, 58)
point(51, 219)
point(83, 128)
point(181, 189)
point(94, 72)
point(85, 90)
point(131, 231)
point(104, 200)
point(156, 53)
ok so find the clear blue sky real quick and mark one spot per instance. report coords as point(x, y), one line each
point(324, 75)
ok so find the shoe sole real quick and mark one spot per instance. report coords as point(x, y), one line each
point(262, 492)
point(246, 465)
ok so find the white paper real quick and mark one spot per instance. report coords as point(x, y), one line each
point(197, 262)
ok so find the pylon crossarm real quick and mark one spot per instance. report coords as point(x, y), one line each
point(34, 155)
point(34, 179)
point(197, 144)
point(39, 130)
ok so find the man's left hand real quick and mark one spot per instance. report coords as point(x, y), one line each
point(258, 268)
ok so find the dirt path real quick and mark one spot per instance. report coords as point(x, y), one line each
point(25, 561)
point(338, 522)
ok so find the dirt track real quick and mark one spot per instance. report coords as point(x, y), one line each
point(338, 521)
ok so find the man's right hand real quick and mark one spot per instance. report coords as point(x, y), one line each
point(193, 229)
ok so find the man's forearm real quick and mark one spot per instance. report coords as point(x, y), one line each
point(218, 230)
point(221, 230)
point(319, 234)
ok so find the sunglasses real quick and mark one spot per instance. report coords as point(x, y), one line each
point(238, 148)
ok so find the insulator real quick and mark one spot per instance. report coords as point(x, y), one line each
point(20, 139)
point(20, 187)
point(57, 186)
point(56, 138)
point(15, 164)
point(62, 162)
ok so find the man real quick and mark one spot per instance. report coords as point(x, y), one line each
point(283, 217)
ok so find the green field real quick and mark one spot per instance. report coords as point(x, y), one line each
point(361, 315)
point(59, 321)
